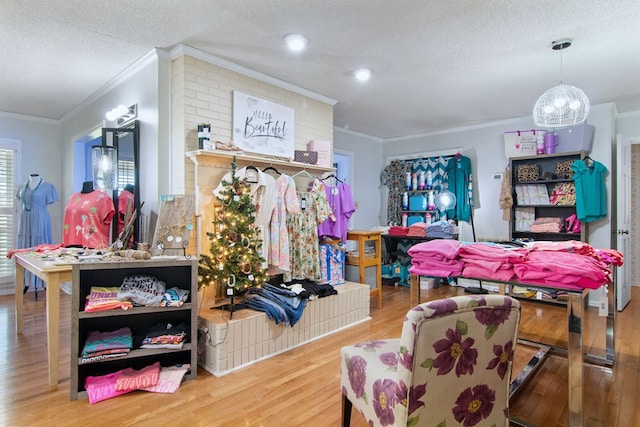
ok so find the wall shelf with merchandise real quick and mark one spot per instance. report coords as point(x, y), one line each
point(544, 198)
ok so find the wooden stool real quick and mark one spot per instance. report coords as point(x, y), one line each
point(361, 237)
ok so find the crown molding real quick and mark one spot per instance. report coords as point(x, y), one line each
point(183, 49)
point(15, 116)
point(628, 114)
point(123, 76)
point(359, 134)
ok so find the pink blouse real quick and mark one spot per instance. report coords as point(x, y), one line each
point(87, 220)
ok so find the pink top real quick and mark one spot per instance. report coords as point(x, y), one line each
point(87, 219)
point(125, 208)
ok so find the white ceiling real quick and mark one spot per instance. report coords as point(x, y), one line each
point(437, 64)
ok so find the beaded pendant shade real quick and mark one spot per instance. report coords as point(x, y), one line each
point(562, 105)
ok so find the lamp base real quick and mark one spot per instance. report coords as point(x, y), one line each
point(477, 291)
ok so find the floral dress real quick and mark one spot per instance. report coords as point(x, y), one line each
point(303, 234)
point(287, 203)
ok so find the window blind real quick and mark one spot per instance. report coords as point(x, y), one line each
point(7, 219)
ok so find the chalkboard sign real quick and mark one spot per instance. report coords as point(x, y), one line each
point(262, 127)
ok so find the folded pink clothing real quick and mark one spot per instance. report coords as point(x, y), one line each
point(484, 251)
point(434, 258)
point(103, 387)
point(477, 272)
point(563, 246)
point(169, 379)
point(529, 276)
point(132, 379)
point(611, 256)
point(486, 264)
point(566, 263)
point(435, 272)
point(433, 263)
point(446, 248)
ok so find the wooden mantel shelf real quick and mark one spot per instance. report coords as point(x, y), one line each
point(209, 158)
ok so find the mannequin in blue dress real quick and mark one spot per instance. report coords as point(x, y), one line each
point(34, 227)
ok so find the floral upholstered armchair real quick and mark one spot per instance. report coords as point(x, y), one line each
point(450, 367)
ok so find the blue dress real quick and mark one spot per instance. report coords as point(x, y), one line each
point(34, 227)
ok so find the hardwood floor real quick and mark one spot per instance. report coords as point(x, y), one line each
point(301, 387)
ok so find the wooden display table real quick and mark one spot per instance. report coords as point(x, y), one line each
point(52, 275)
point(362, 237)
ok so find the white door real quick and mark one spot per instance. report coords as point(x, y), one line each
point(623, 190)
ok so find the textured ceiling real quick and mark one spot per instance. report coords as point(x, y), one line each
point(437, 65)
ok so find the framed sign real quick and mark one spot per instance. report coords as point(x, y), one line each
point(262, 127)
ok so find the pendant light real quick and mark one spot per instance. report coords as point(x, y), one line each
point(104, 160)
point(562, 105)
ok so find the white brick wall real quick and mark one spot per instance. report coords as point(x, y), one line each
point(202, 93)
point(250, 336)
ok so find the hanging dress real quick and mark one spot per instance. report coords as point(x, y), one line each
point(303, 234)
point(34, 227)
point(460, 181)
point(286, 203)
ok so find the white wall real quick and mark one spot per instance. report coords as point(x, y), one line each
point(628, 125)
point(365, 180)
point(41, 153)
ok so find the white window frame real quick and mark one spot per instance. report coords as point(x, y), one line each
point(7, 269)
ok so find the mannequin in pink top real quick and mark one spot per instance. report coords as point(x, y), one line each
point(87, 218)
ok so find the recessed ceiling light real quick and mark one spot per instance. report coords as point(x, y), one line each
point(363, 74)
point(296, 42)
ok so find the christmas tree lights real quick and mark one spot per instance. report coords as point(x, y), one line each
point(234, 258)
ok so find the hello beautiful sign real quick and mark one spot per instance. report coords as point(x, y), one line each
point(262, 127)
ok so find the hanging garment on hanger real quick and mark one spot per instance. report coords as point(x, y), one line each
point(460, 181)
point(342, 207)
point(34, 223)
point(270, 168)
point(506, 195)
point(303, 234)
point(591, 190)
point(304, 181)
point(287, 203)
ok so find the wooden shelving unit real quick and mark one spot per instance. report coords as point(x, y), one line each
point(546, 163)
point(364, 238)
point(179, 272)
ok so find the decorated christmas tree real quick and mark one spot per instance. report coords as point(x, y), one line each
point(234, 259)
